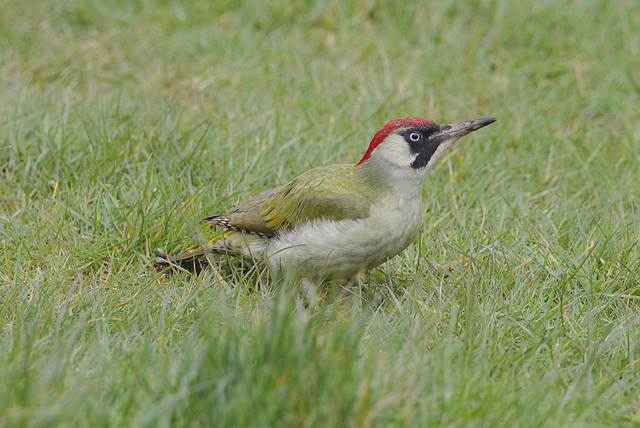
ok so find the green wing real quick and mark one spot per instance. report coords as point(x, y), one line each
point(334, 192)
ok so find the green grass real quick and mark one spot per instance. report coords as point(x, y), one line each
point(518, 305)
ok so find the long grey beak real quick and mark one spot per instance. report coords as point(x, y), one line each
point(459, 129)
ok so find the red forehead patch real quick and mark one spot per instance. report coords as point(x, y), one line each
point(403, 122)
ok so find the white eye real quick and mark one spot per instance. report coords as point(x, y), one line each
point(415, 136)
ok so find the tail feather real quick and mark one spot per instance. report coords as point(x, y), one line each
point(236, 244)
point(192, 254)
point(166, 259)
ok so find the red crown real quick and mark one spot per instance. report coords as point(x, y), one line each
point(403, 122)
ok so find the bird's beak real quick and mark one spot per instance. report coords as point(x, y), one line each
point(459, 129)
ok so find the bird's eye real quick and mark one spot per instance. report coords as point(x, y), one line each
point(415, 136)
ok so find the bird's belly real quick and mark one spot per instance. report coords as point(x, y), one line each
point(340, 249)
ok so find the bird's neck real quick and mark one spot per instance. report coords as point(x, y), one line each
point(401, 182)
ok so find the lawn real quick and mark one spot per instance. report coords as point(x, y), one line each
point(122, 124)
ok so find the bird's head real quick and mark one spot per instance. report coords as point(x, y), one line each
point(415, 143)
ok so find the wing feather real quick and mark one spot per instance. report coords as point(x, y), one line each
point(322, 193)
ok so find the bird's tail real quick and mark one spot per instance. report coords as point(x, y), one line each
point(162, 259)
point(246, 246)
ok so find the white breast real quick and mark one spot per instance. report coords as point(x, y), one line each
point(343, 249)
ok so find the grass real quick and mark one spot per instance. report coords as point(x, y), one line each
point(518, 305)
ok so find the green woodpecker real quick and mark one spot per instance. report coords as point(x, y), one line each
point(337, 221)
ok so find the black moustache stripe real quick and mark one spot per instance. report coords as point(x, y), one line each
point(425, 152)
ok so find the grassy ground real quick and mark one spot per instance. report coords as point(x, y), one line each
point(518, 306)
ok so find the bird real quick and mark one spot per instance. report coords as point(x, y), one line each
point(337, 222)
